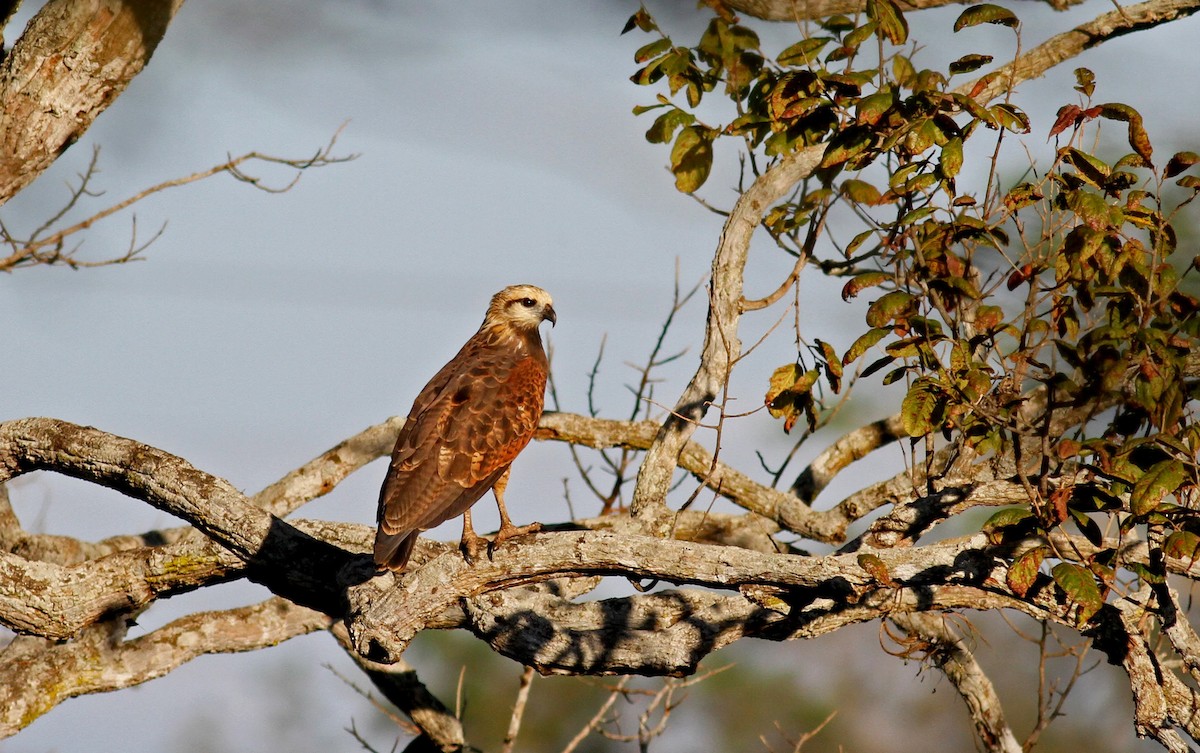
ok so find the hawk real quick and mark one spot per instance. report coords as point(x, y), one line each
point(465, 428)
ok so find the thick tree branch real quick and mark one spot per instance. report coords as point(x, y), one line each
point(37, 674)
point(800, 10)
point(73, 60)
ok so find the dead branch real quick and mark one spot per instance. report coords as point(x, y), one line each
point(52, 249)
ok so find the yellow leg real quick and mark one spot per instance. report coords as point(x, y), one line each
point(507, 529)
point(472, 544)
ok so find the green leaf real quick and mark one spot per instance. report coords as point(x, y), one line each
point(861, 282)
point(1011, 118)
point(892, 25)
point(1022, 196)
point(892, 306)
point(803, 52)
point(952, 157)
point(864, 343)
point(691, 159)
point(664, 126)
point(923, 408)
point(996, 526)
point(1079, 585)
point(1024, 570)
point(652, 50)
point(640, 20)
point(870, 109)
point(1161, 479)
point(848, 143)
point(986, 14)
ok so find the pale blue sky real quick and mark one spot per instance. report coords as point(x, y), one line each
point(496, 146)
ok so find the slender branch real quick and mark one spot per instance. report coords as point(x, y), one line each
point(952, 655)
point(518, 712)
point(49, 250)
point(399, 684)
point(1063, 47)
point(722, 347)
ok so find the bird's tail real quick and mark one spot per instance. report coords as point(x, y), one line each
point(393, 550)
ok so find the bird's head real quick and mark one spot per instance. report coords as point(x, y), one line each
point(520, 307)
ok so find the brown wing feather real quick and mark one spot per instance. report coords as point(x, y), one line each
point(465, 428)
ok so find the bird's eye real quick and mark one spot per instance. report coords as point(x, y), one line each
point(528, 303)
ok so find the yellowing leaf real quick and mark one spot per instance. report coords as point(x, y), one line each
point(860, 192)
point(864, 343)
point(1162, 479)
point(923, 408)
point(1139, 141)
point(897, 305)
point(887, 15)
point(691, 159)
point(790, 394)
point(875, 567)
point(986, 14)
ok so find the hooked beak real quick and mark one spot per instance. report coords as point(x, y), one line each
point(548, 314)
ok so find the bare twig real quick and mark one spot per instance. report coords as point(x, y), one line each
point(518, 712)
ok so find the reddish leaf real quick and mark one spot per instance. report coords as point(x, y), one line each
point(1024, 570)
point(1068, 115)
point(1020, 276)
point(1183, 545)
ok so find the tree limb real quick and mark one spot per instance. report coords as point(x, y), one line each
point(1069, 44)
point(72, 61)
